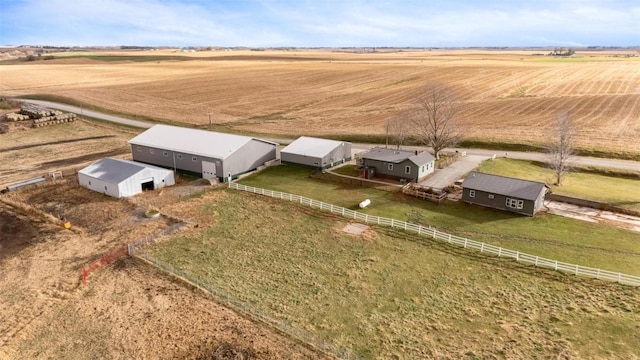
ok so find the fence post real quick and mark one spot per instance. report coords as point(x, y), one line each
point(435, 232)
point(499, 250)
point(391, 222)
point(555, 266)
point(536, 262)
point(577, 269)
point(465, 243)
point(481, 247)
point(619, 277)
point(450, 240)
point(517, 255)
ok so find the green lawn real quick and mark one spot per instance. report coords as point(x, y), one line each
point(545, 235)
point(390, 294)
point(619, 191)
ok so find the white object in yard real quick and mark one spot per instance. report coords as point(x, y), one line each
point(364, 203)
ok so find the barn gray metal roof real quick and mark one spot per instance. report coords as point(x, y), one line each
point(116, 170)
point(398, 156)
point(310, 146)
point(497, 184)
point(193, 141)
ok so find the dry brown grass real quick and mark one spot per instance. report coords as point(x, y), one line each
point(511, 96)
point(128, 310)
point(27, 153)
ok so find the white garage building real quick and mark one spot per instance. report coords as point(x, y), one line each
point(316, 152)
point(123, 178)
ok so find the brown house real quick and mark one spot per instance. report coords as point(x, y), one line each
point(504, 193)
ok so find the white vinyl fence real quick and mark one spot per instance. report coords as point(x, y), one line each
point(451, 239)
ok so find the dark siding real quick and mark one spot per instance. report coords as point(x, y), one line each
point(382, 167)
point(301, 159)
point(498, 202)
point(338, 155)
point(158, 158)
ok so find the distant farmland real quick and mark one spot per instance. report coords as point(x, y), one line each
point(507, 97)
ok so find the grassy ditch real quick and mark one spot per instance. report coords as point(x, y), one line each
point(620, 189)
point(388, 294)
point(550, 236)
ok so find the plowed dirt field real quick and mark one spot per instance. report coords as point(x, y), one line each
point(506, 96)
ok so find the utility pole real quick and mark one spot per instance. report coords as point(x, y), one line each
point(210, 120)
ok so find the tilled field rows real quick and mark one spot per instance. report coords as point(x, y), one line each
point(505, 97)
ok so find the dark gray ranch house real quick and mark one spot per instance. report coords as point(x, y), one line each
point(316, 152)
point(207, 153)
point(398, 164)
point(504, 193)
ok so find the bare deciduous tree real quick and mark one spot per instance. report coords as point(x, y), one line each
point(435, 119)
point(398, 131)
point(561, 148)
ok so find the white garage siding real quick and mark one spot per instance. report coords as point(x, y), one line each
point(123, 178)
point(316, 152)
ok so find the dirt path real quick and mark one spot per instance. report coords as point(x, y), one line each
point(594, 215)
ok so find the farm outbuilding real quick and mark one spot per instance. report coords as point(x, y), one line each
point(504, 193)
point(316, 152)
point(206, 153)
point(123, 178)
point(409, 165)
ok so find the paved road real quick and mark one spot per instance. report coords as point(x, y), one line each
point(579, 160)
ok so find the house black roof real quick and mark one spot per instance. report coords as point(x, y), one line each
point(496, 184)
point(398, 156)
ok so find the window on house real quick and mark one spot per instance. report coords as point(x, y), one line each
point(179, 156)
point(194, 158)
point(423, 168)
point(316, 163)
point(390, 166)
point(105, 187)
point(514, 203)
point(491, 196)
point(407, 169)
point(165, 153)
point(89, 182)
point(472, 193)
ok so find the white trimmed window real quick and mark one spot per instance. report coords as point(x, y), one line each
point(151, 151)
point(390, 166)
point(194, 158)
point(407, 169)
point(491, 196)
point(514, 203)
point(472, 193)
point(179, 156)
point(165, 153)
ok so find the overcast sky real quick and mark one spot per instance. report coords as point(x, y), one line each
point(320, 23)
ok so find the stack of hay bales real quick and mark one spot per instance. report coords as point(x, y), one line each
point(34, 111)
point(54, 119)
point(42, 116)
point(16, 117)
